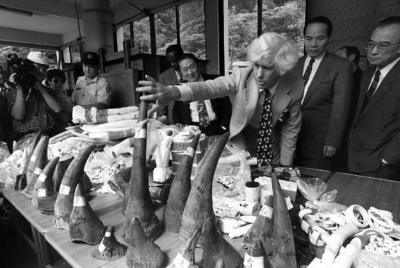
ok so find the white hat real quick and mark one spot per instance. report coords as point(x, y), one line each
point(38, 57)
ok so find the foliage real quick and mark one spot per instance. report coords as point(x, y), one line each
point(284, 16)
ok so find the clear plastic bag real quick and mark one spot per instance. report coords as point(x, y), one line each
point(329, 196)
point(311, 188)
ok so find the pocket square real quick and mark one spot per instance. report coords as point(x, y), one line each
point(284, 115)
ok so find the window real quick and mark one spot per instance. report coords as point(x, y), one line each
point(75, 53)
point(165, 25)
point(192, 28)
point(141, 35)
point(123, 33)
point(66, 55)
point(285, 17)
point(242, 27)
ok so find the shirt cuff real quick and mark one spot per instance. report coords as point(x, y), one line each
point(186, 92)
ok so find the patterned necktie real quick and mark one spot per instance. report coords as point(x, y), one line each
point(204, 120)
point(264, 142)
point(372, 88)
point(307, 73)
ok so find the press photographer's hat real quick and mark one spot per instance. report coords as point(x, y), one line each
point(38, 57)
point(90, 58)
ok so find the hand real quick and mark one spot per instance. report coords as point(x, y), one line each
point(329, 151)
point(157, 92)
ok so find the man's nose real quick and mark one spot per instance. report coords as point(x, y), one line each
point(259, 73)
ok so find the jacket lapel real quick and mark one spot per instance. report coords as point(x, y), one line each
point(383, 88)
point(366, 79)
point(280, 100)
point(321, 73)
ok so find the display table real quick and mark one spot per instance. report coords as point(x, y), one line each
point(367, 192)
point(352, 189)
point(40, 223)
point(108, 208)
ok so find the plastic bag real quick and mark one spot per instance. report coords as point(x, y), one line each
point(329, 196)
point(4, 153)
point(368, 259)
point(311, 188)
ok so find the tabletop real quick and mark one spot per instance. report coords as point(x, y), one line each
point(42, 222)
point(367, 192)
point(108, 208)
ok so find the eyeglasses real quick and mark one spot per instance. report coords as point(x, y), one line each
point(58, 81)
point(380, 46)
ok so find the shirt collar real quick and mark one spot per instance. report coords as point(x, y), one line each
point(272, 90)
point(94, 80)
point(384, 71)
point(317, 59)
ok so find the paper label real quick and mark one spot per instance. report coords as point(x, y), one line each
point(314, 235)
point(140, 133)
point(79, 201)
point(41, 192)
point(189, 151)
point(253, 262)
point(288, 203)
point(266, 211)
point(64, 189)
point(181, 262)
point(42, 177)
point(305, 226)
point(304, 212)
point(107, 234)
point(101, 247)
point(38, 171)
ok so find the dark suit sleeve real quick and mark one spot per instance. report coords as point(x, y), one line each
point(391, 152)
point(340, 105)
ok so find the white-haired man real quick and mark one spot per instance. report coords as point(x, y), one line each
point(265, 99)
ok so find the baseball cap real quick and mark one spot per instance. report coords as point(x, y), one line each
point(90, 58)
point(38, 57)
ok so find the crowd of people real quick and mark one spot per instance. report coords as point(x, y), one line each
point(33, 96)
point(318, 111)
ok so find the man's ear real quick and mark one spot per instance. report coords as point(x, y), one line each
point(352, 57)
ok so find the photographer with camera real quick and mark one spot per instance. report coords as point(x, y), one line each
point(32, 107)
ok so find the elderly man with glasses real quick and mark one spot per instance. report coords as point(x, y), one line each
point(374, 139)
point(265, 99)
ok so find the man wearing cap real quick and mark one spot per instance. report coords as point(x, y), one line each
point(91, 90)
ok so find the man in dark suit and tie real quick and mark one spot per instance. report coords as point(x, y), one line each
point(374, 141)
point(327, 91)
point(212, 116)
point(171, 76)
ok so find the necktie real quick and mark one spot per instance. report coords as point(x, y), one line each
point(372, 88)
point(264, 142)
point(204, 120)
point(307, 73)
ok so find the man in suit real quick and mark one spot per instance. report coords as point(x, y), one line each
point(171, 76)
point(212, 116)
point(265, 99)
point(325, 103)
point(374, 139)
point(352, 54)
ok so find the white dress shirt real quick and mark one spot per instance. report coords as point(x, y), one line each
point(313, 72)
point(194, 112)
point(384, 71)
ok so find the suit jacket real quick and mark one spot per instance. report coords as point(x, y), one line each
point(243, 92)
point(325, 106)
point(168, 78)
point(375, 133)
point(221, 107)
